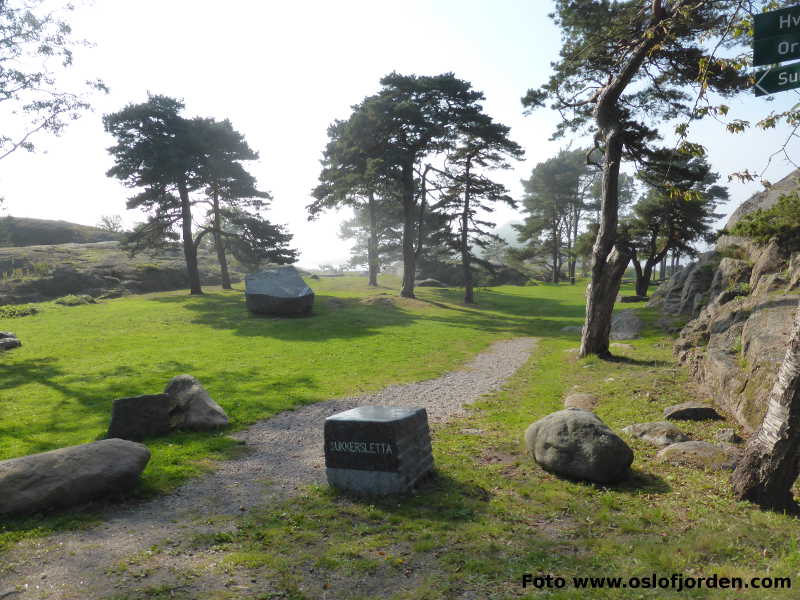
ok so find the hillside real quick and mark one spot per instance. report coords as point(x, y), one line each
point(20, 231)
point(100, 269)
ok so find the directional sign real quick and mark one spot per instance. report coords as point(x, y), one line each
point(778, 79)
point(777, 22)
point(767, 51)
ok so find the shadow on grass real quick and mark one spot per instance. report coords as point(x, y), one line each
point(637, 482)
point(345, 318)
point(438, 497)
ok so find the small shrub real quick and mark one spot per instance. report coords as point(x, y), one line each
point(12, 311)
point(740, 289)
point(75, 300)
point(782, 222)
point(42, 269)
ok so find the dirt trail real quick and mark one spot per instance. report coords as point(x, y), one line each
point(147, 546)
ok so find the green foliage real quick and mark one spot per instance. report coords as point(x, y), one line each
point(34, 35)
point(11, 311)
point(75, 300)
point(781, 222)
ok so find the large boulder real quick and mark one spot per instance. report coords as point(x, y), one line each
point(278, 291)
point(139, 417)
point(575, 443)
point(193, 408)
point(69, 476)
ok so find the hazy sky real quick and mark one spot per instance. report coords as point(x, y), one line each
point(282, 72)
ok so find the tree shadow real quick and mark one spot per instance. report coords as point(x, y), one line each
point(335, 317)
point(635, 362)
point(637, 482)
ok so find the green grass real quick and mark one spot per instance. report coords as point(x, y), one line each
point(57, 389)
point(488, 515)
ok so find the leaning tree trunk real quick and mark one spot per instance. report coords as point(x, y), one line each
point(219, 244)
point(372, 242)
point(409, 230)
point(770, 464)
point(608, 266)
point(189, 249)
point(608, 261)
point(637, 267)
point(465, 257)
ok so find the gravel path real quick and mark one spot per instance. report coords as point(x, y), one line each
point(284, 454)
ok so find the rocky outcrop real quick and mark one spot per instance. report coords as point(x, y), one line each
point(575, 443)
point(69, 476)
point(737, 338)
point(101, 270)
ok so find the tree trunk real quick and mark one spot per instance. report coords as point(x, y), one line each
point(643, 281)
point(608, 261)
point(769, 467)
point(637, 267)
point(372, 243)
point(465, 256)
point(608, 266)
point(409, 219)
point(189, 249)
point(219, 244)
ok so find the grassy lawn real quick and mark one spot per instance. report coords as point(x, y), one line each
point(489, 514)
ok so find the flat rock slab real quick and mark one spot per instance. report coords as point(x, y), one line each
point(701, 455)
point(691, 411)
point(728, 436)
point(625, 347)
point(69, 476)
point(659, 433)
point(575, 443)
point(581, 400)
point(577, 329)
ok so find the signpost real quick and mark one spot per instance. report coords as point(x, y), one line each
point(777, 79)
point(776, 38)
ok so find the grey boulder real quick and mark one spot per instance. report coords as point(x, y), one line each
point(185, 404)
point(139, 417)
point(278, 291)
point(69, 476)
point(691, 411)
point(193, 408)
point(575, 443)
point(659, 433)
point(8, 341)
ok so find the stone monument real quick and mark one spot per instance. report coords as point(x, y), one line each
point(377, 450)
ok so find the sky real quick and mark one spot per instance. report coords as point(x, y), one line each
point(283, 72)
